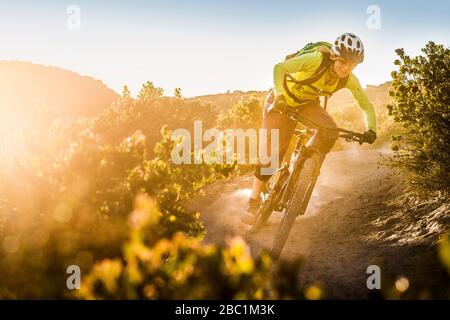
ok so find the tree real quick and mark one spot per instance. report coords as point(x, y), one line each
point(177, 93)
point(149, 93)
point(126, 92)
point(421, 91)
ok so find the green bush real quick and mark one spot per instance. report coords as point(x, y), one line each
point(149, 113)
point(245, 114)
point(422, 99)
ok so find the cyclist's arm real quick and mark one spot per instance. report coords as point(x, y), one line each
point(360, 96)
point(307, 63)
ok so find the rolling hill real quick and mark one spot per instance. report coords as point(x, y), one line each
point(24, 86)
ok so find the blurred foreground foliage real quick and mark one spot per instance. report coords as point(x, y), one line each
point(181, 267)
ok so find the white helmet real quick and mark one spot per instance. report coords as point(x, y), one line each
point(349, 47)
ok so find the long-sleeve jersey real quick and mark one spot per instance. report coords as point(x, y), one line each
point(304, 67)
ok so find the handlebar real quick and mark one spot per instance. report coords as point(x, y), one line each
point(353, 136)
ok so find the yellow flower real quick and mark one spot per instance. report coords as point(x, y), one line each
point(237, 257)
point(313, 293)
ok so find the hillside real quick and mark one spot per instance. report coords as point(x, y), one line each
point(24, 86)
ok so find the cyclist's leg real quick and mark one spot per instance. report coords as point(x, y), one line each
point(272, 120)
point(324, 139)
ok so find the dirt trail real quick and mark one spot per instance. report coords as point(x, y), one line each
point(351, 223)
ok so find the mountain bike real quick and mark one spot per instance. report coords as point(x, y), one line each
point(290, 188)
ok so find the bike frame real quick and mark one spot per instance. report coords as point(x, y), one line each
point(299, 153)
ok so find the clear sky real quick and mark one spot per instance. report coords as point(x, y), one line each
point(209, 46)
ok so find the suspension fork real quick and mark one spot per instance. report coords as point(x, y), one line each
point(283, 174)
point(300, 149)
point(304, 150)
point(313, 183)
point(318, 157)
point(313, 152)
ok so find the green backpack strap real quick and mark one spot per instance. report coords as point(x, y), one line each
point(324, 65)
point(326, 62)
point(341, 84)
point(310, 47)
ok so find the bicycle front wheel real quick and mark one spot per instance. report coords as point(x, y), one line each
point(297, 206)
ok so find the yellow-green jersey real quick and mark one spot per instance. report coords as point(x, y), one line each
point(305, 66)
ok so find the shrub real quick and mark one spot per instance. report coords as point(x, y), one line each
point(422, 98)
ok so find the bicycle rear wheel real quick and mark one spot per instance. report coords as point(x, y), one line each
point(297, 206)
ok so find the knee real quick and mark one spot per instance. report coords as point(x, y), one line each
point(325, 140)
point(331, 135)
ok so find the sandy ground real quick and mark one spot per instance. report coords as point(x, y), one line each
point(352, 222)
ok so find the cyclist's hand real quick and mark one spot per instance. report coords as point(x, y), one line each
point(369, 136)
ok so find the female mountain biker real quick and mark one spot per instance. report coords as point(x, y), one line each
point(298, 83)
